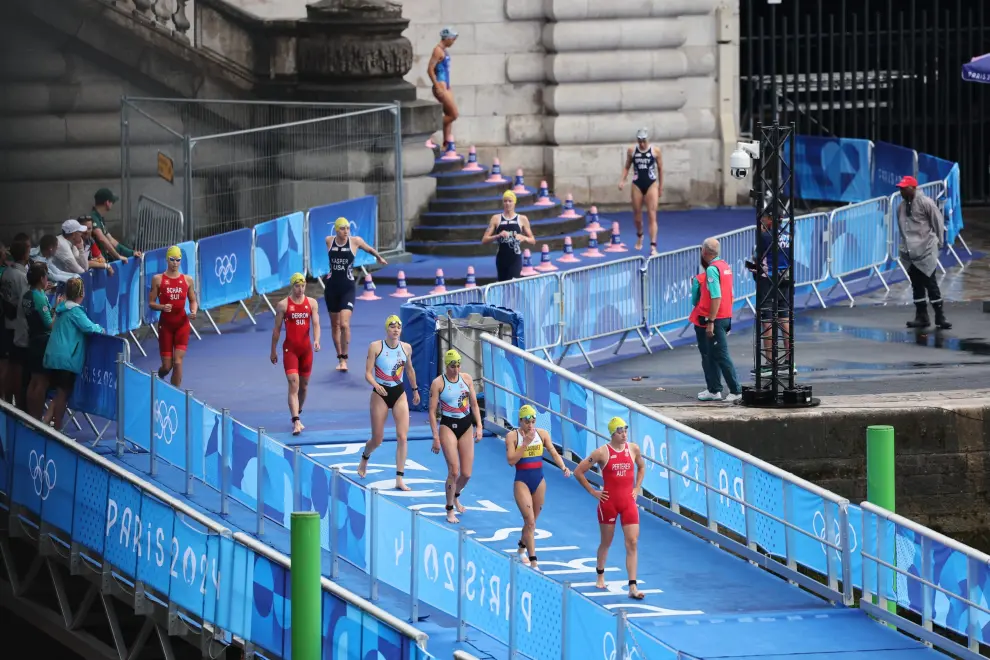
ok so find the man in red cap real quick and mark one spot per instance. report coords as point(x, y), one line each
point(922, 229)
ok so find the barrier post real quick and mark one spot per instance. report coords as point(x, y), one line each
point(224, 453)
point(334, 564)
point(296, 478)
point(152, 445)
point(414, 579)
point(461, 626)
point(189, 443)
point(260, 481)
point(513, 573)
point(307, 589)
point(563, 619)
point(881, 478)
point(373, 568)
point(120, 405)
point(620, 634)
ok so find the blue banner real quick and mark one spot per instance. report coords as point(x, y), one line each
point(95, 391)
point(114, 301)
point(170, 424)
point(362, 213)
point(891, 163)
point(278, 252)
point(833, 169)
point(437, 558)
point(487, 590)
point(393, 527)
point(932, 169)
point(137, 407)
point(225, 268)
point(156, 263)
point(590, 626)
point(352, 523)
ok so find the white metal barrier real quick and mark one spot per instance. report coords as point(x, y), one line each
point(738, 247)
point(538, 299)
point(858, 243)
point(465, 296)
point(811, 251)
point(667, 288)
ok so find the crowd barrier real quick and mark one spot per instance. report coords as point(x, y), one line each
point(226, 584)
point(789, 526)
point(652, 296)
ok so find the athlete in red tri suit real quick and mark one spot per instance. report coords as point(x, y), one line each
point(617, 498)
point(299, 313)
point(169, 292)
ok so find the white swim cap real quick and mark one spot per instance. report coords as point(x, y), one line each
point(448, 33)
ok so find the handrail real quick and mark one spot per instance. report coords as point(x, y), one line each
point(668, 422)
point(369, 608)
point(952, 544)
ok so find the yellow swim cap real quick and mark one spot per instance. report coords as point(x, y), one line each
point(451, 356)
point(341, 223)
point(392, 319)
point(174, 252)
point(527, 412)
point(508, 194)
point(297, 278)
point(615, 424)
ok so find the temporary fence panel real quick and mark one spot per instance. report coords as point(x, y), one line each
point(360, 213)
point(278, 253)
point(811, 251)
point(858, 234)
point(158, 225)
point(225, 275)
point(738, 247)
point(456, 297)
point(667, 288)
point(538, 299)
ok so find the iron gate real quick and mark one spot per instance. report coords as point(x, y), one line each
point(881, 70)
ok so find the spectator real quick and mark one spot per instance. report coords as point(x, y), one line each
point(13, 286)
point(43, 254)
point(922, 234)
point(111, 248)
point(69, 256)
point(22, 238)
point(711, 293)
point(65, 355)
point(38, 312)
point(91, 249)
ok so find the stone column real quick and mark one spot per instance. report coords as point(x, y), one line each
point(613, 67)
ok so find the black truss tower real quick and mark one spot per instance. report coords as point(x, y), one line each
point(774, 328)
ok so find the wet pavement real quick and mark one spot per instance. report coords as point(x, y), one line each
point(842, 351)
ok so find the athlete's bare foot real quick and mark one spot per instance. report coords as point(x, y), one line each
point(340, 365)
point(297, 427)
point(639, 242)
point(451, 518)
point(600, 581)
point(653, 249)
point(343, 365)
point(523, 559)
point(362, 467)
point(457, 504)
point(635, 593)
point(400, 485)
point(534, 566)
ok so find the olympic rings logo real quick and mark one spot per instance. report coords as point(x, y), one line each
point(225, 268)
point(818, 526)
point(43, 474)
point(167, 420)
point(609, 649)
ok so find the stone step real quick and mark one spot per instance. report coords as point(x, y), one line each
point(74, 130)
point(448, 205)
point(440, 165)
point(460, 177)
point(461, 190)
point(481, 217)
point(472, 248)
point(462, 233)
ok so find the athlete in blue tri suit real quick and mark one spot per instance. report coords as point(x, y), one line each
point(439, 72)
point(761, 267)
point(338, 286)
point(388, 360)
point(647, 185)
point(453, 401)
point(524, 449)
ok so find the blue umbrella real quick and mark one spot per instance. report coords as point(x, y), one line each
point(977, 70)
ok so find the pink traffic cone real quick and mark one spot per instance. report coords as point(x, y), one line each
point(569, 211)
point(400, 287)
point(496, 176)
point(527, 269)
point(440, 286)
point(616, 245)
point(471, 282)
point(451, 153)
point(545, 265)
point(518, 186)
point(472, 164)
point(593, 252)
point(593, 226)
point(369, 289)
point(569, 257)
point(544, 197)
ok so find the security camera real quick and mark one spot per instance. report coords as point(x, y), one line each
point(741, 159)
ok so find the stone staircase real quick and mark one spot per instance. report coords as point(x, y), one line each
point(464, 203)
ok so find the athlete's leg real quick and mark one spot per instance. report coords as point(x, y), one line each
point(608, 533)
point(450, 115)
point(294, 401)
point(178, 358)
point(166, 341)
point(400, 413)
point(344, 319)
point(524, 502)
point(448, 443)
point(538, 498)
point(652, 201)
point(379, 413)
point(335, 333)
point(637, 206)
point(465, 449)
point(631, 535)
point(303, 389)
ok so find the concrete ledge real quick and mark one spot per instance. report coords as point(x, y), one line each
point(942, 448)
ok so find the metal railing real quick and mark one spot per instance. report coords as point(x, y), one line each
point(158, 225)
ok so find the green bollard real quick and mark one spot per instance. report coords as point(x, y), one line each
point(881, 478)
point(307, 591)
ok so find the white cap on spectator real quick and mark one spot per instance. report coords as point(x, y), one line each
point(72, 226)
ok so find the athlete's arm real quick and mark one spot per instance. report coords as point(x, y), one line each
point(435, 388)
point(513, 453)
point(659, 156)
point(490, 235)
point(479, 428)
point(548, 445)
point(431, 67)
point(591, 461)
point(277, 330)
point(625, 170)
point(407, 349)
point(193, 297)
point(156, 283)
point(369, 366)
point(361, 244)
point(315, 323)
point(640, 469)
point(527, 232)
